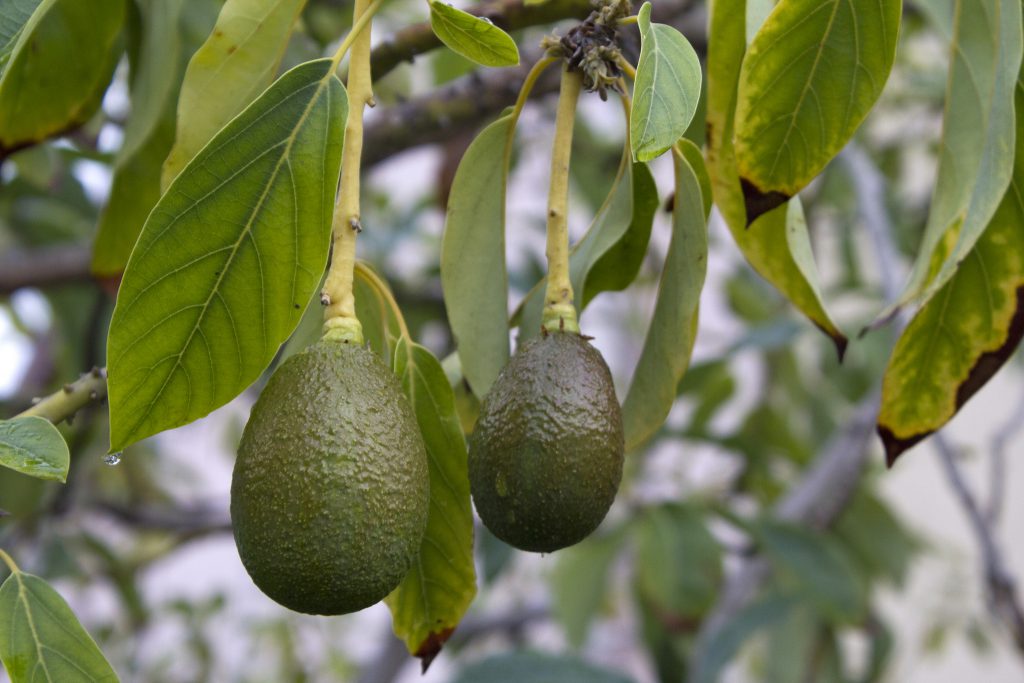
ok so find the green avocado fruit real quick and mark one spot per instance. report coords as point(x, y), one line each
point(545, 458)
point(330, 490)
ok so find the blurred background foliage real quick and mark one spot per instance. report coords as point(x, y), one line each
point(143, 552)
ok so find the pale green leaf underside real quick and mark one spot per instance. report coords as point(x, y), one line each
point(473, 274)
point(472, 37)
point(441, 584)
point(965, 332)
point(812, 74)
point(33, 446)
point(610, 253)
point(791, 270)
point(666, 90)
point(666, 351)
point(231, 68)
point(57, 69)
point(976, 155)
point(41, 640)
point(227, 259)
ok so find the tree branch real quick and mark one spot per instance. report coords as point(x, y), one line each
point(1002, 590)
point(43, 267)
point(63, 404)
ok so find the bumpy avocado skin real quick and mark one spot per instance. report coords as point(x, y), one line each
point(330, 491)
point(545, 458)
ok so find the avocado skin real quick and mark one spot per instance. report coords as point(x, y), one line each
point(545, 459)
point(330, 490)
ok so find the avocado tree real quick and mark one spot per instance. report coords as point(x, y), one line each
point(212, 232)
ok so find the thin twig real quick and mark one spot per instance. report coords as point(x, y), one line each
point(1002, 590)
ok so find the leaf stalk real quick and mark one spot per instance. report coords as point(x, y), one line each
point(559, 311)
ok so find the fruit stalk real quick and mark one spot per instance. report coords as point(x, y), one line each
point(340, 322)
point(559, 312)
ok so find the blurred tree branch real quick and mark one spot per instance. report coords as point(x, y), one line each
point(44, 267)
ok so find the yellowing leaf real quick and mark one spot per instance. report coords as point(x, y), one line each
point(227, 259)
point(812, 73)
point(791, 269)
point(965, 332)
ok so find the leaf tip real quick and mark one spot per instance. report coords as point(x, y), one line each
point(431, 647)
point(895, 446)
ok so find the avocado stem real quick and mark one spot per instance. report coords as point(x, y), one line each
point(340, 322)
point(559, 313)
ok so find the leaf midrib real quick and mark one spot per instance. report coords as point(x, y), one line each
point(244, 234)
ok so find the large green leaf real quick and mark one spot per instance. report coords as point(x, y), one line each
point(41, 640)
point(666, 89)
point(965, 332)
point(429, 603)
point(789, 269)
point(58, 69)
point(609, 255)
point(232, 67)
point(977, 150)
point(679, 562)
point(228, 258)
point(167, 42)
point(473, 274)
point(818, 568)
point(669, 341)
point(810, 77)
point(33, 446)
point(579, 582)
point(14, 14)
point(531, 667)
point(474, 38)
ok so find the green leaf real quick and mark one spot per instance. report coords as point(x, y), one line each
point(534, 667)
point(579, 581)
point(818, 568)
point(710, 658)
point(14, 14)
point(473, 274)
point(878, 542)
point(679, 563)
point(965, 332)
point(472, 37)
point(976, 156)
point(669, 341)
point(609, 255)
point(58, 69)
point(790, 270)
point(227, 259)
point(234, 65)
point(164, 51)
point(666, 89)
point(429, 603)
point(810, 77)
point(41, 640)
point(33, 446)
point(798, 635)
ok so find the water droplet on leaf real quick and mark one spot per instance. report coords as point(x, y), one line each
point(112, 459)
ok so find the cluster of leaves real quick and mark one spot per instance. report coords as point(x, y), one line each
point(214, 139)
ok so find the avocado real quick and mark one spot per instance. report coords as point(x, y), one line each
point(330, 489)
point(545, 458)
